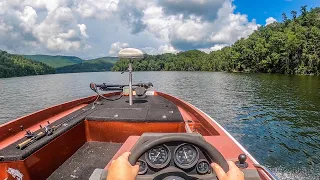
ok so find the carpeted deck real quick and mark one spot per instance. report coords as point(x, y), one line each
point(82, 163)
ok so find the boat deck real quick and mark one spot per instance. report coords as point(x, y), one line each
point(151, 109)
point(82, 163)
point(90, 138)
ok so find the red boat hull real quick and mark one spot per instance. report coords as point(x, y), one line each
point(43, 162)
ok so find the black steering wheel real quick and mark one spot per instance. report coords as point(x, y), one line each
point(212, 152)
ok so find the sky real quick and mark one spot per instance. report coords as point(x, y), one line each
point(98, 28)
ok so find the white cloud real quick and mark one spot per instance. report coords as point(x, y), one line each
point(101, 9)
point(214, 48)
point(4, 28)
point(161, 50)
point(161, 26)
point(60, 31)
point(167, 49)
point(83, 30)
point(28, 18)
point(270, 20)
point(196, 32)
point(116, 47)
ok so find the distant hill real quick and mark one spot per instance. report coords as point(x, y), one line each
point(109, 59)
point(55, 61)
point(15, 65)
point(96, 65)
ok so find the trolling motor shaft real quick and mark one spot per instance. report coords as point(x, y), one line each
point(130, 84)
point(131, 54)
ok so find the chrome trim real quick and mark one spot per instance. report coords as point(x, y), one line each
point(187, 127)
point(267, 171)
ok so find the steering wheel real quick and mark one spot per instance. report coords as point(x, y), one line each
point(175, 173)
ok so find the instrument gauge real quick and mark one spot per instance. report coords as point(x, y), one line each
point(186, 156)
point(143, 167)
point(158, 157)
point(203, 167)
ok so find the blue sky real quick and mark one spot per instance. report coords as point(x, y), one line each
point(97, 28)
point(261, 10)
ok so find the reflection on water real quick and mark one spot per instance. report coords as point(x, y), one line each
point(276, 117)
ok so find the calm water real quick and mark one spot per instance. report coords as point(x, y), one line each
point(276, 117)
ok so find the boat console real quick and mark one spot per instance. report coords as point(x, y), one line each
point(175, 156)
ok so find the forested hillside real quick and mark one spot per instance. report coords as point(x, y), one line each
point(109, 59)
point(289, 47)
point(15, 65)
point(96, 65)
point(55, 61)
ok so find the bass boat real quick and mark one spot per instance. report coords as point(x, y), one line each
point(168, 137)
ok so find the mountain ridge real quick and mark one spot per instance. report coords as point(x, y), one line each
point(95, 65)
point(58, 61)
point(12, 65)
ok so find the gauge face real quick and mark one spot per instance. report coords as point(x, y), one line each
point(203, 167)
point(142, 167)
point(158, 157)
point(186, 156)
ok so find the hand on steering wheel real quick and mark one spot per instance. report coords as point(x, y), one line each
point(121, 169)
point(234, 172)
point(146, 144)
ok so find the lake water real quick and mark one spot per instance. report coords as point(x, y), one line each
point(276, 117)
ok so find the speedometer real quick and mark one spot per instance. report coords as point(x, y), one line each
point(186, 156)
point(158, 157)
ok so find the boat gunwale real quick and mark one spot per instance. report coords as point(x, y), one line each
point(12, 128)
point(90, 99)
point(216, 123)
point(177, 101)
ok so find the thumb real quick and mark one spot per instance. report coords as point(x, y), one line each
point(135, 169)
point(126, 155)
point(219, 171)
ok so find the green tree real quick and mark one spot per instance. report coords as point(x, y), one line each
point(15, 65)
point(291, 47)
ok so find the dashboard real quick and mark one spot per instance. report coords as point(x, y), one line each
point(178, 156)
point(184, 156)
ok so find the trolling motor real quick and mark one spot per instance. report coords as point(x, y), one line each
point(140, 89)
point(131, 54)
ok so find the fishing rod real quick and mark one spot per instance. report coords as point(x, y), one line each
point(31, 138)
point(29, 141)
point(48, 132)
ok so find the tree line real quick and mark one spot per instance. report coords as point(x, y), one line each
point(16, 65)
point(288, 47)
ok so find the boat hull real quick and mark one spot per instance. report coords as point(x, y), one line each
point(45, 158)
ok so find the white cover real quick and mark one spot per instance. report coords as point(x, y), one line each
point(131, 53)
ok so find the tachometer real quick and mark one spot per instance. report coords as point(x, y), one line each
point(158, 157)
point(186, 156)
